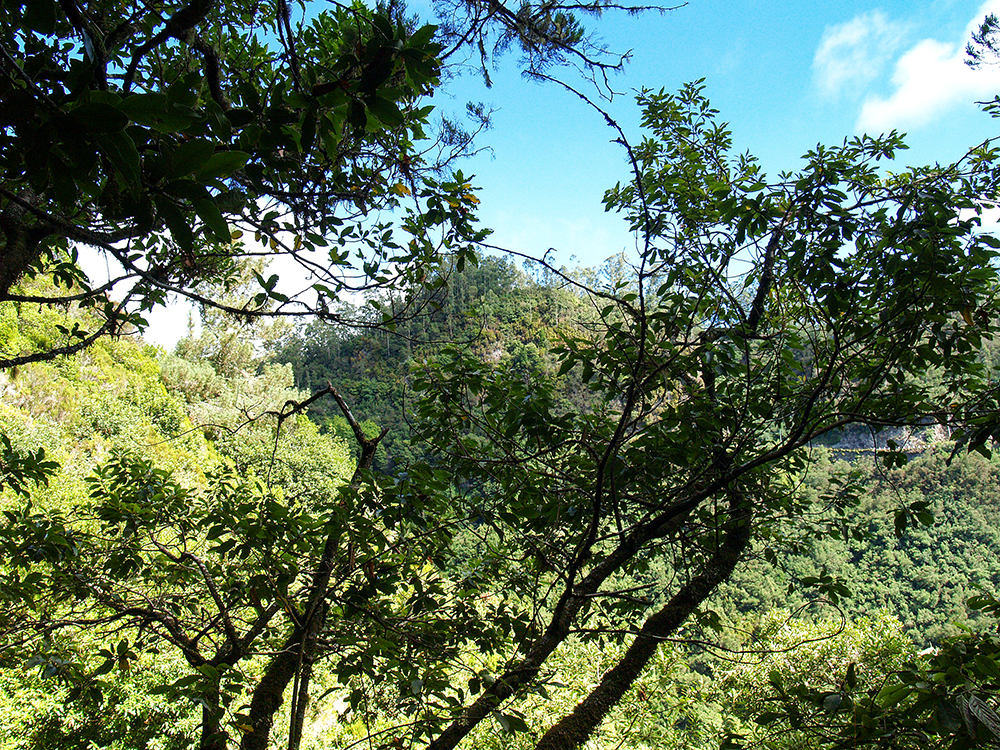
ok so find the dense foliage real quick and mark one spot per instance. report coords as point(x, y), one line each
point(502, 315)
point(590, 462)
point(168, 134)
point(685, 698)
point(178, 137)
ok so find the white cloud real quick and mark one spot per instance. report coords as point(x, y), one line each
point(930, 79)
point(852, 54)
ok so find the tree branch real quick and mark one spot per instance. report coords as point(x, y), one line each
point(178, 24)
point(576, 727)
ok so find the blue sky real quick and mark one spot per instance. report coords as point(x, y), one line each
point(785, 75)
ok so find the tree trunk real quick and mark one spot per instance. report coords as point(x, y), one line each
point(267, 696)
point(20, 248)
point(572, 603)
point(299, 647)
point(575, 728)
point(212, 735)
point(300, 699)
point(301, 643)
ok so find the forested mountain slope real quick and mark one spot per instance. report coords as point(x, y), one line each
point(75, 679)
point(510, 318)
point(200, 408)
point(499, 312)
point(877, 596)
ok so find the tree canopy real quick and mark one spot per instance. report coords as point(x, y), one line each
point(169, 134)
point(760, 316)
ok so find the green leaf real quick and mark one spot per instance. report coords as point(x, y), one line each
point(900, 522)
point(892, 695)
point(189, 190)
point(191, 156)
point(776, 680)
point(357, 116)
point(40, 16)
point(987, 666)
point(119, 148)
point(768, 717)
point(99, 117)
point(154, 111)
point(566, 366)
point(176, 222)
point(832, 702)
point(183, 93)
point(209, 213)
point(985, 713)
point(385, 111)
point(383, 25)
point(222, 164)
point(515, 723)
point(307, 133)
point(422, 36)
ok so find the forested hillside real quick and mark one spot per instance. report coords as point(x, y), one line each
point(499, 313)
point(123, 406)
point(510, 319)
point(125, 409)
